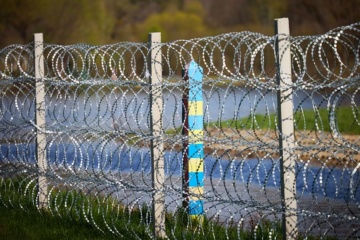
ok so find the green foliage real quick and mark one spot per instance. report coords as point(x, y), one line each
point(265, 11)
point(79, 21)
point(175, 24)
point(61, 21)
point(19, 19)
point(101, 22)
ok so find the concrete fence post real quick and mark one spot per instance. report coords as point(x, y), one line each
point(286, 128)
point(40, 119)
point(157, 148)
point(193, 145)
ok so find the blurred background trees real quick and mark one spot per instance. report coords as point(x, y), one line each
point(108, 21)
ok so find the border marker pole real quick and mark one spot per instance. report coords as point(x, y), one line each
point(194, 169)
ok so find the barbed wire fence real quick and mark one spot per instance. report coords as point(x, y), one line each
point(88, 135)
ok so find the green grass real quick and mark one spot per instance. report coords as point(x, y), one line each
point(347, 121)
point(28, 222)
point(31, 223)
point(70, 222)
point(72, 215)
point(15, 223)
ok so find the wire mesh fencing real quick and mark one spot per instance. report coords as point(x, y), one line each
point(111, 121)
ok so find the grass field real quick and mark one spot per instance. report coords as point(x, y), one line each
point(346, 120)
point(69, 222)
point(15, 224)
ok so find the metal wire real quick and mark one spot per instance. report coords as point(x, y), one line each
point(98, 134)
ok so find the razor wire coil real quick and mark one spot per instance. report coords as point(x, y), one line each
point(97, 115)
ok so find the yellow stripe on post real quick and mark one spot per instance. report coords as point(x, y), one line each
point(195, 108)
point(196, 190)
point(195, 193)
point(196, 136)
point(196, 165)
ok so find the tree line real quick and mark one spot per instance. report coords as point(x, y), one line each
point(101, 22)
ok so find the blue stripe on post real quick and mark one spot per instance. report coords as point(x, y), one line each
point(196, 122)
point(196, 179)
point(196, 207)
point(195, 74)
point(195, 93)
point(196, 150)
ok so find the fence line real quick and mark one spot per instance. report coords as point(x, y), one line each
point(120, 139)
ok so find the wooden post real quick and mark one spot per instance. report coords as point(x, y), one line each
point(40, 119)
point(286, 128)
point(194, 152)
point(157, 148)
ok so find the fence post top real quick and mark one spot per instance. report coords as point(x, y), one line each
point(282, 19)
point(154, 37)
point(194, 68)
point(193, 65)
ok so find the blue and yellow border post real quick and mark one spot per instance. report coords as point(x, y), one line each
point(193, 146)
